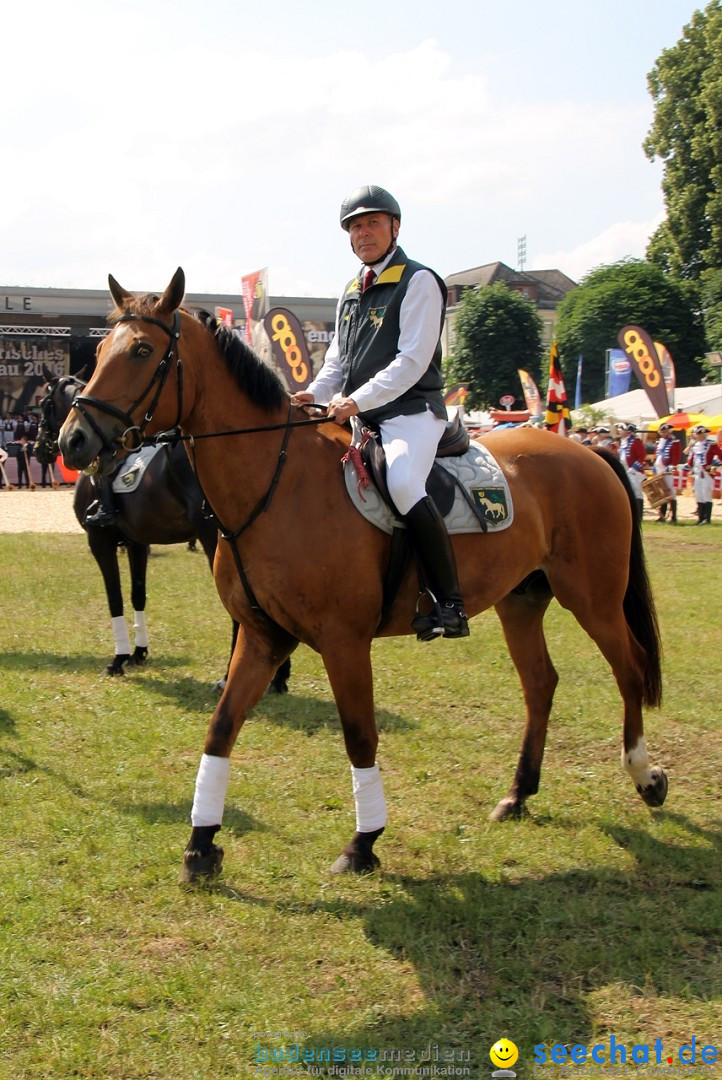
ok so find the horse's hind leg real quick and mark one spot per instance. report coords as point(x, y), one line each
point(351, 677)
point(522, 614)
point(600, 612)
point(626, 657)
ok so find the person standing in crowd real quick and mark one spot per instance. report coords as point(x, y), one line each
point(667, 456)
point(634, 458)
point(23, 461)
point(7, 430)
point(703, 455)
point(602, 436)
point(384, 366)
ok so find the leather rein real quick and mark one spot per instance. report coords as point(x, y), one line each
point(158, 380)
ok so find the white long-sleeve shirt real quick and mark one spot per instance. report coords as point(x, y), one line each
point(419, 322)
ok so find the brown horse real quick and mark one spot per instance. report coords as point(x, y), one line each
point(300, 564)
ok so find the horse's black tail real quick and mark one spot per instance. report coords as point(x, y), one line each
point(639, 609)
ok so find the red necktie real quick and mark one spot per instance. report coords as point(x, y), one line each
point(368, 279)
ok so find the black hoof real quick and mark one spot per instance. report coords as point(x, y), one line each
point(139, 657)
point(278, 686)
point(348, 863)
point(115, 667)
point(508, 808)
point(656, 792)
point(201, 865)
point(358, 856)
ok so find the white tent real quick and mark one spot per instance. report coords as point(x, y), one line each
point(635, 406)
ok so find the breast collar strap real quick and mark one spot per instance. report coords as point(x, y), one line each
point(133, 435)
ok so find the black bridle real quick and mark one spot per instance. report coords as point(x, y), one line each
point(50, 422)
point(158, 380)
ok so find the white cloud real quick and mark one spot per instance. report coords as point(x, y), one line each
point(154, 148)
point(623, 240)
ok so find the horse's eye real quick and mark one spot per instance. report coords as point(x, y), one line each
point(143, 350)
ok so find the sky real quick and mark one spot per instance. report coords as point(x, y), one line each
point(222, 136)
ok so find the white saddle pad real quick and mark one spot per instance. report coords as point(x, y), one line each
point(131, 472)
point(477, 471)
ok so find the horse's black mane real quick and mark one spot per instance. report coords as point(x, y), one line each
point(254, 377)
point(252, 374)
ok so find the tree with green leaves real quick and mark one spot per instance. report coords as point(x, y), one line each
point(630, 292)
point(686, 135)
point(496, 332)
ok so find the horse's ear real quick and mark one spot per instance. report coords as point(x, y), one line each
point(173, 296)
point(119, 294)
point(79, 374)
point(48, 373)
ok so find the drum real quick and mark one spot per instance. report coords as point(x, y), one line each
point(656, 490)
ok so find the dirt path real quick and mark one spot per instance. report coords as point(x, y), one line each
point(44, 510)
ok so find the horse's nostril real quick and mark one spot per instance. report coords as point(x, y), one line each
point(76, 441)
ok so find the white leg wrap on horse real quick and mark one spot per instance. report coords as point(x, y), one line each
point(121, 637)
point(140, 630)
point(210, 796)
point(636, 762)
point(368, 793)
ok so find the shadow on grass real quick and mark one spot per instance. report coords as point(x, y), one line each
point(309, 715)
point(7, 722)
point(235, 822)
point(82, 663)
point(14, 764)
point(522, 958)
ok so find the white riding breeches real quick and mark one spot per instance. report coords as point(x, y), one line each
point(410, 444)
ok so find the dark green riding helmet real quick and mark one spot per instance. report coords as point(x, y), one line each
point(368, 199)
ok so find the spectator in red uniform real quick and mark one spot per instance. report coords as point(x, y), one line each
point(667, 456)
point(634, 458)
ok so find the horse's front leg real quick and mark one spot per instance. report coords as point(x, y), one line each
point(138, 563)
point(103, 545)
point(351, 677)
point(253, 662)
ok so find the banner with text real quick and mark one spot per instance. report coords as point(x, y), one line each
point(21, 367)
point(254, 290)
point(290, 351)
point(619, 372)
point(532, 397)
point(639, 347)
point(668, 371)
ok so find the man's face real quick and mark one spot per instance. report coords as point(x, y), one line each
point(371, 236)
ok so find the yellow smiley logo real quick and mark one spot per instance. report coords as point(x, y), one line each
point(503, 1053)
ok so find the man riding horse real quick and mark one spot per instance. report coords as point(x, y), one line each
point(383, 366)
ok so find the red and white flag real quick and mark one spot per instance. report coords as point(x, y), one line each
point(557, 417)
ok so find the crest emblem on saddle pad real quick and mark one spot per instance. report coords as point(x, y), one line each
point(128, 478)
point(492, 503)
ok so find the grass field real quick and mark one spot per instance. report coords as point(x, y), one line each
point(593, 918)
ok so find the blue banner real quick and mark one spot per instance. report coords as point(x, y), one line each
point(620, 373)
point(578, 393)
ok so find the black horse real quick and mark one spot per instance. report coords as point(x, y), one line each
point(166, 507)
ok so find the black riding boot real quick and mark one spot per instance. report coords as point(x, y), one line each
point(102, 512)
point(430, 539)
point(673, 512)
